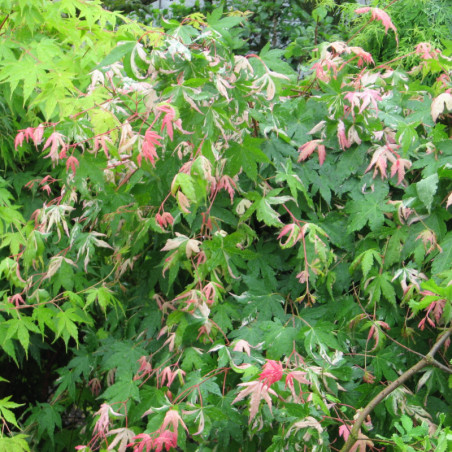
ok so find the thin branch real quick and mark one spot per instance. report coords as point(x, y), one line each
point(426, 361)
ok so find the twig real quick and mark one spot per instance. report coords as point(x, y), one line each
point(427, 360)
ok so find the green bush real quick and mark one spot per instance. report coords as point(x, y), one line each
point(206, 253)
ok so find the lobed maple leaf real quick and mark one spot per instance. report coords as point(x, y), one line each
point(103, 423)
point(167, 439)
point(122, 438)
point(100, 141)
point(243, 346)
point(308, 148)
point(364, 57)
point(258, 391)
point(272, 372)
point(72, 163)
point(382, 16)
point(362, 99)
point(399, 167)
point(226, 183)
point(374, 332)
point(424, 49)
point(441, 103)
point(380, 161)
point(344, 143)
point(164, 220)
point(293, 235)
point(54, 141)
point(148, 148)
point(147, 441)
point(168, 375)
point(344, 431)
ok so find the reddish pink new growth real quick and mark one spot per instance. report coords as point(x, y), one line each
point(148, 150)
point(375, 332)
point(55, 141)
point(363, 99)
point(364, 57)
point(399, 167)
point(297, 375)
point(103, 423)
point(379, 14)
point(16, 300)
point(100, 141)
point(342, 137)
point(226, 183)
point(145, 368)
point(344, 431)
point(164, 220)
point(169, 120)
point(72, 163)
point(272, 372)
point(424, 49)
point(436, 307)
point(30, 133)
point(293, 233)
point(147, 442)
point(308, 148)
point(167, 439)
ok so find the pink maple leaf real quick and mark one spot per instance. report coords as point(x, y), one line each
point(375, 331)
point(226, 183)
point(18, 141)
point(167, 439)
point(243, 346)
point(103, 423)
point(16, 299)
point(297, 375)
point(148, 150)
point(168, 375)
point(424, 49)
point(380, 160)
point(145, 368)
point(72, 163)
point(147, 442)
point(168, 119)
point(54, 141)
point(164, 219)
point(382, 16)
point(258, 391)
point(344, 143)
point(292, 231)
point(399, 167)
point(344, 431)
point(364, 57)
point(272, 372)
point(101, 141)
point(308, 148)
point(363, 99)
point(172, 418)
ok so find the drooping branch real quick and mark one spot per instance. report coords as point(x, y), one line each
point(426, 361)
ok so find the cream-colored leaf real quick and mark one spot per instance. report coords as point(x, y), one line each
point(441, 103)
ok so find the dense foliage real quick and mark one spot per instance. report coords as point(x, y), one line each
point(200, 250)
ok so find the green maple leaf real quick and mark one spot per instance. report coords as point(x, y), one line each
point(15, 443)
point(443, 260)
point(5, 411)
point(368, 209)
point(246, 155)
point(122, 390)
point(426, 189)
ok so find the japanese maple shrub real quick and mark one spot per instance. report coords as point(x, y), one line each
point(234, 259)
